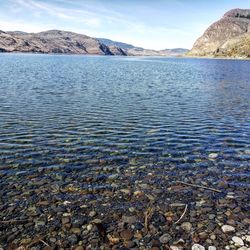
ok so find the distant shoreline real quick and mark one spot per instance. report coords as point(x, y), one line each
point(130, 56)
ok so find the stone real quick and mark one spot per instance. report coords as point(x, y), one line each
point(174, 248)
point(165, 238)
point(213, 155)
point(243, 248)
point(227, 229)
point(65, 220)
point(75, 230)
point(125, 191)
point(92, 213)
point(126, 234)
point(246, 221)
point(186, 226)
point(129, 219)
point(131, 209)
point(78, 248)
point(72, 239)
point(247, 238)
point(238, 241)
point(198, 247)
point(211, 248)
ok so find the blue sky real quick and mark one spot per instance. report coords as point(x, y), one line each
point(153, 24)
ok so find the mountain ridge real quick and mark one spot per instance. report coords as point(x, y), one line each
point(66, 42)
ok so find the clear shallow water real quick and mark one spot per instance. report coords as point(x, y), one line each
point(81, 112)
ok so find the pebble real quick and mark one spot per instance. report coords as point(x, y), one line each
point(243, 248)
point(72, 239)
point(213, 155)
point(165, 238)
point(187, 226)
point(227, 229)
point(131, 209)
point(248, 238)
point(129, 219)
point(174, 248)
point(92, 213)
point(211, 248)
point(198, 247)
point(76, 230)
point(78, 248)
point(126, 234)
point(238, 241)
point(65, 220)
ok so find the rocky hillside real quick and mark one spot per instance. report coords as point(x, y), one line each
point(64, 42)
point(121, 45)
point(228, 37)
point(132, 50)
point(54, 41)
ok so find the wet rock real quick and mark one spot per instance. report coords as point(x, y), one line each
point(186, 226)
point(129, 219)
point(129, 244)
point(213, 155)
point(165, 238)
point(238, 241)
point(92, 213)
point(89, 227)
point(126, 235)
point(76, 230)
point(211, 248)
point(246, 221)
point(65, 220)
point(247, 238)
point(73, 239)
point(227, 229)
point(243, 248)
point(174, 248)
point(198, 247)
point(78, 248)
point(158, 219)
point(113, 177)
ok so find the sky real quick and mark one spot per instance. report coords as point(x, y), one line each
point(151, 24)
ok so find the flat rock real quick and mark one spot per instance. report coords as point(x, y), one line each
point(165, 238)
point(238, 241)
point(198, 247)
point(126, 234)
point(129, 219)
point(187, 226)
point(227, 229)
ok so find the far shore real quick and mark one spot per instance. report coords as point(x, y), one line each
point(155, 56)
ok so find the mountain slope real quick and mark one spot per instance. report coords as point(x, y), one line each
point(226, 36)
point(121, 45)
point(53, 41)
point(132, 50)
point(64, 42)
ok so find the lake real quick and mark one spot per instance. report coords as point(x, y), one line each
point(100, 123)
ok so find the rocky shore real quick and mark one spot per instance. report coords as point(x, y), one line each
point(141, 206)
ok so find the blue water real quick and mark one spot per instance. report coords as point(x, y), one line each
point(64, 112)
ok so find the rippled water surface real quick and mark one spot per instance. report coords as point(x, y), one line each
point(82, 112)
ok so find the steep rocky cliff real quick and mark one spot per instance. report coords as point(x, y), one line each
point(227, 37)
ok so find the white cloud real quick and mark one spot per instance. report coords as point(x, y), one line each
point(23, 26)
point(96, 21)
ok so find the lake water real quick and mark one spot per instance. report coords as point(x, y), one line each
point(82, 112)
point(101, 152)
